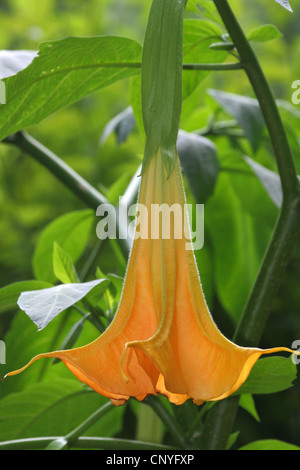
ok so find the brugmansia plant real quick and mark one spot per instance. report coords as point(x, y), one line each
point(162, 339)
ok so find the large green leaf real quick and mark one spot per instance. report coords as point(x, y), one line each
point(269, 444)
point(200, 164)
point(71, 231)
point(269, 179)
point(54, 408)
point(270, 375)
point(23, 341)
point(65, 71)
point(246, 111)
point(236, 255)
point(247, 403)
point(263, 33)
point(239, 219)
point(204, 8)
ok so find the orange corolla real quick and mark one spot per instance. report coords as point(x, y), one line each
point(163, 338)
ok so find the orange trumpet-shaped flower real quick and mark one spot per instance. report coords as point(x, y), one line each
point(162, 339)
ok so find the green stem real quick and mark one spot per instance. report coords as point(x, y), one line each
point(218, 424)
point(214, 67)
point(91, 260)
point(198, 421)
point(88, 315)
point(72, 180)
point(149, 426)
point(249, 331)
point(138, 65)
point(168, 420)
point(92, 419)
point(65, 442)
point(103, 443)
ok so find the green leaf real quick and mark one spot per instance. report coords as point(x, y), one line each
point(65, 71)
point(43, 305)
point(269, 179)
point(47, 409)
point(71, 231)
point(231, 440)
point(236, 254)
point(198, 36)
point(23, 342)
point(112, 295)
point(9, 294)
point(269, 444)
point(117, 189)
point(263, 33)
point(247, 403)
point(285, 4)
point(204, 8)
point(246, 111)
point(121, 125)
point(250, 189)
point(270, 375)
point(200, 164)
point(94, 296)
point(63, 266)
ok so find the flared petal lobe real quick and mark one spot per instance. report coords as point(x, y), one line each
point(194, 358)
point(163, 338)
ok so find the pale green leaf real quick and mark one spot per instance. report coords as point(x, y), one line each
point(71, 231)
point(63, 266)
point(38, 410)
point(246, 111)
point(199, 163)
point(270, 375)
point(65, 71)
point(263, 33)
point(269, 444)
point(247, 403)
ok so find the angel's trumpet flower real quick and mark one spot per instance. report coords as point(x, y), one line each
point(162, 339)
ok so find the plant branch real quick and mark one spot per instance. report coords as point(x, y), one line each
point(103, 443)
point(92, 419)
point(72, 180)
point(214, 67)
